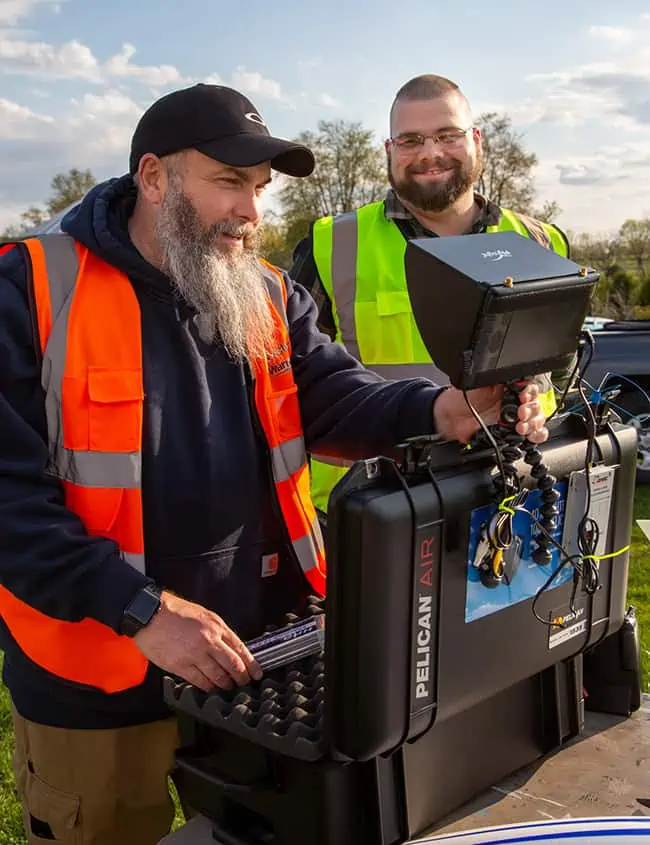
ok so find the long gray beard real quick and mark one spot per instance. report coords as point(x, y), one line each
point(228, 291)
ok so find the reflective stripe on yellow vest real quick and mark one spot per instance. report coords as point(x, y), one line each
point(360, 260)
point(89, 328)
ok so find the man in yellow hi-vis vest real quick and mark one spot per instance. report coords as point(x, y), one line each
point(353, 264)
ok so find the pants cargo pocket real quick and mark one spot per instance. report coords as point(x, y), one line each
point(51, 815)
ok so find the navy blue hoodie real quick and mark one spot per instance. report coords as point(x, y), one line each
point(209, 508)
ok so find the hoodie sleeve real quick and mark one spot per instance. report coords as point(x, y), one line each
point(348, 411)
point(47, 559)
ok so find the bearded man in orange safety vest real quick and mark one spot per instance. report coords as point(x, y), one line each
point(159, 390)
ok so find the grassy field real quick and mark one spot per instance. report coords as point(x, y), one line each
point(638, 591)
point(11, 831)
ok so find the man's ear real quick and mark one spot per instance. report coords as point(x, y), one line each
point(152, 179)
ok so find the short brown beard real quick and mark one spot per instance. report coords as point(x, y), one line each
point(227, 290)
point(442, 195)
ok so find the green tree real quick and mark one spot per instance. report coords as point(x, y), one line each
point(602, 252)
point(507, 177)
point(644, 290)
point(623, 292)
point(275, 244)
point(28, 220)
point(350, 171)
point(548, 213)
point(66, 189)
point(635, 240)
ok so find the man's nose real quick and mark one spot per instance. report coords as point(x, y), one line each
point(248, 207)
point(430, 150)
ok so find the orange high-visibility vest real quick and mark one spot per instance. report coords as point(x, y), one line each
point(89, 330)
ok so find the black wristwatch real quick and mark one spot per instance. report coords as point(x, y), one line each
point(140, 610)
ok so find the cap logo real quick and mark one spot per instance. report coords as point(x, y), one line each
point(254, 118)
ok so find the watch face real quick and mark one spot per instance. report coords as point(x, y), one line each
point(140, 611)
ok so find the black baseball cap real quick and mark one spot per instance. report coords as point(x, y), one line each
point(218, 122)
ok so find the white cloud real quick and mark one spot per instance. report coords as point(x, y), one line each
point(71, 60)
point(608, 165)
point(99, 124)
point(600, 189)
point(13, 11)
point(307, 65)
point(328, 101)
point(615, 34)
point(9, 213)
point(94, 132)
point(103, 123)
point(604, 183)
point(77, 61)
point(563, 104)
point(36, 58)
point(18, 123)
point(614, 89)
point(253, 84)
point(74, 60)
point(120, 66)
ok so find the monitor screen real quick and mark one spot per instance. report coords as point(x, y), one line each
point(540, 332)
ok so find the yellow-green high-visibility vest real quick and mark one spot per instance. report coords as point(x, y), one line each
point(360, 261)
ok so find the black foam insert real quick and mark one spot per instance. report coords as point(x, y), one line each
point(283, 711)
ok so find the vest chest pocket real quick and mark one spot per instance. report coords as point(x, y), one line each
point(386, 330)
point(115, 403)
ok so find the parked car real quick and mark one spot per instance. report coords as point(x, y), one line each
point(622, 359)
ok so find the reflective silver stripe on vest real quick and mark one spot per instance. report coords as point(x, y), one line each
point(275, 291)
point(134, 560)
point(62, 265)
point(97, 469)
point(288, 458)
point(345, 236)
point(85, 468)
point(307, 548)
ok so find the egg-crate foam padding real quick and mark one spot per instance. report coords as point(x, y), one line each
point(282, 712)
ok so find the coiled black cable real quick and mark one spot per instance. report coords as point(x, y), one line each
point(511, 447)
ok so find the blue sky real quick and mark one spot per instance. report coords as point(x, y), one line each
point(574, 75)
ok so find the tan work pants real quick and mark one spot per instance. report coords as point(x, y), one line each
point(95, 787)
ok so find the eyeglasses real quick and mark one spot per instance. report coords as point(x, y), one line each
point(412, 141)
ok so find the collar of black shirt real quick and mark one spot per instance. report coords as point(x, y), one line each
point(395, 210)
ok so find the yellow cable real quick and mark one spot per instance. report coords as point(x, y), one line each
point(504, 505)
point(497, 563)
point(606, 557)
